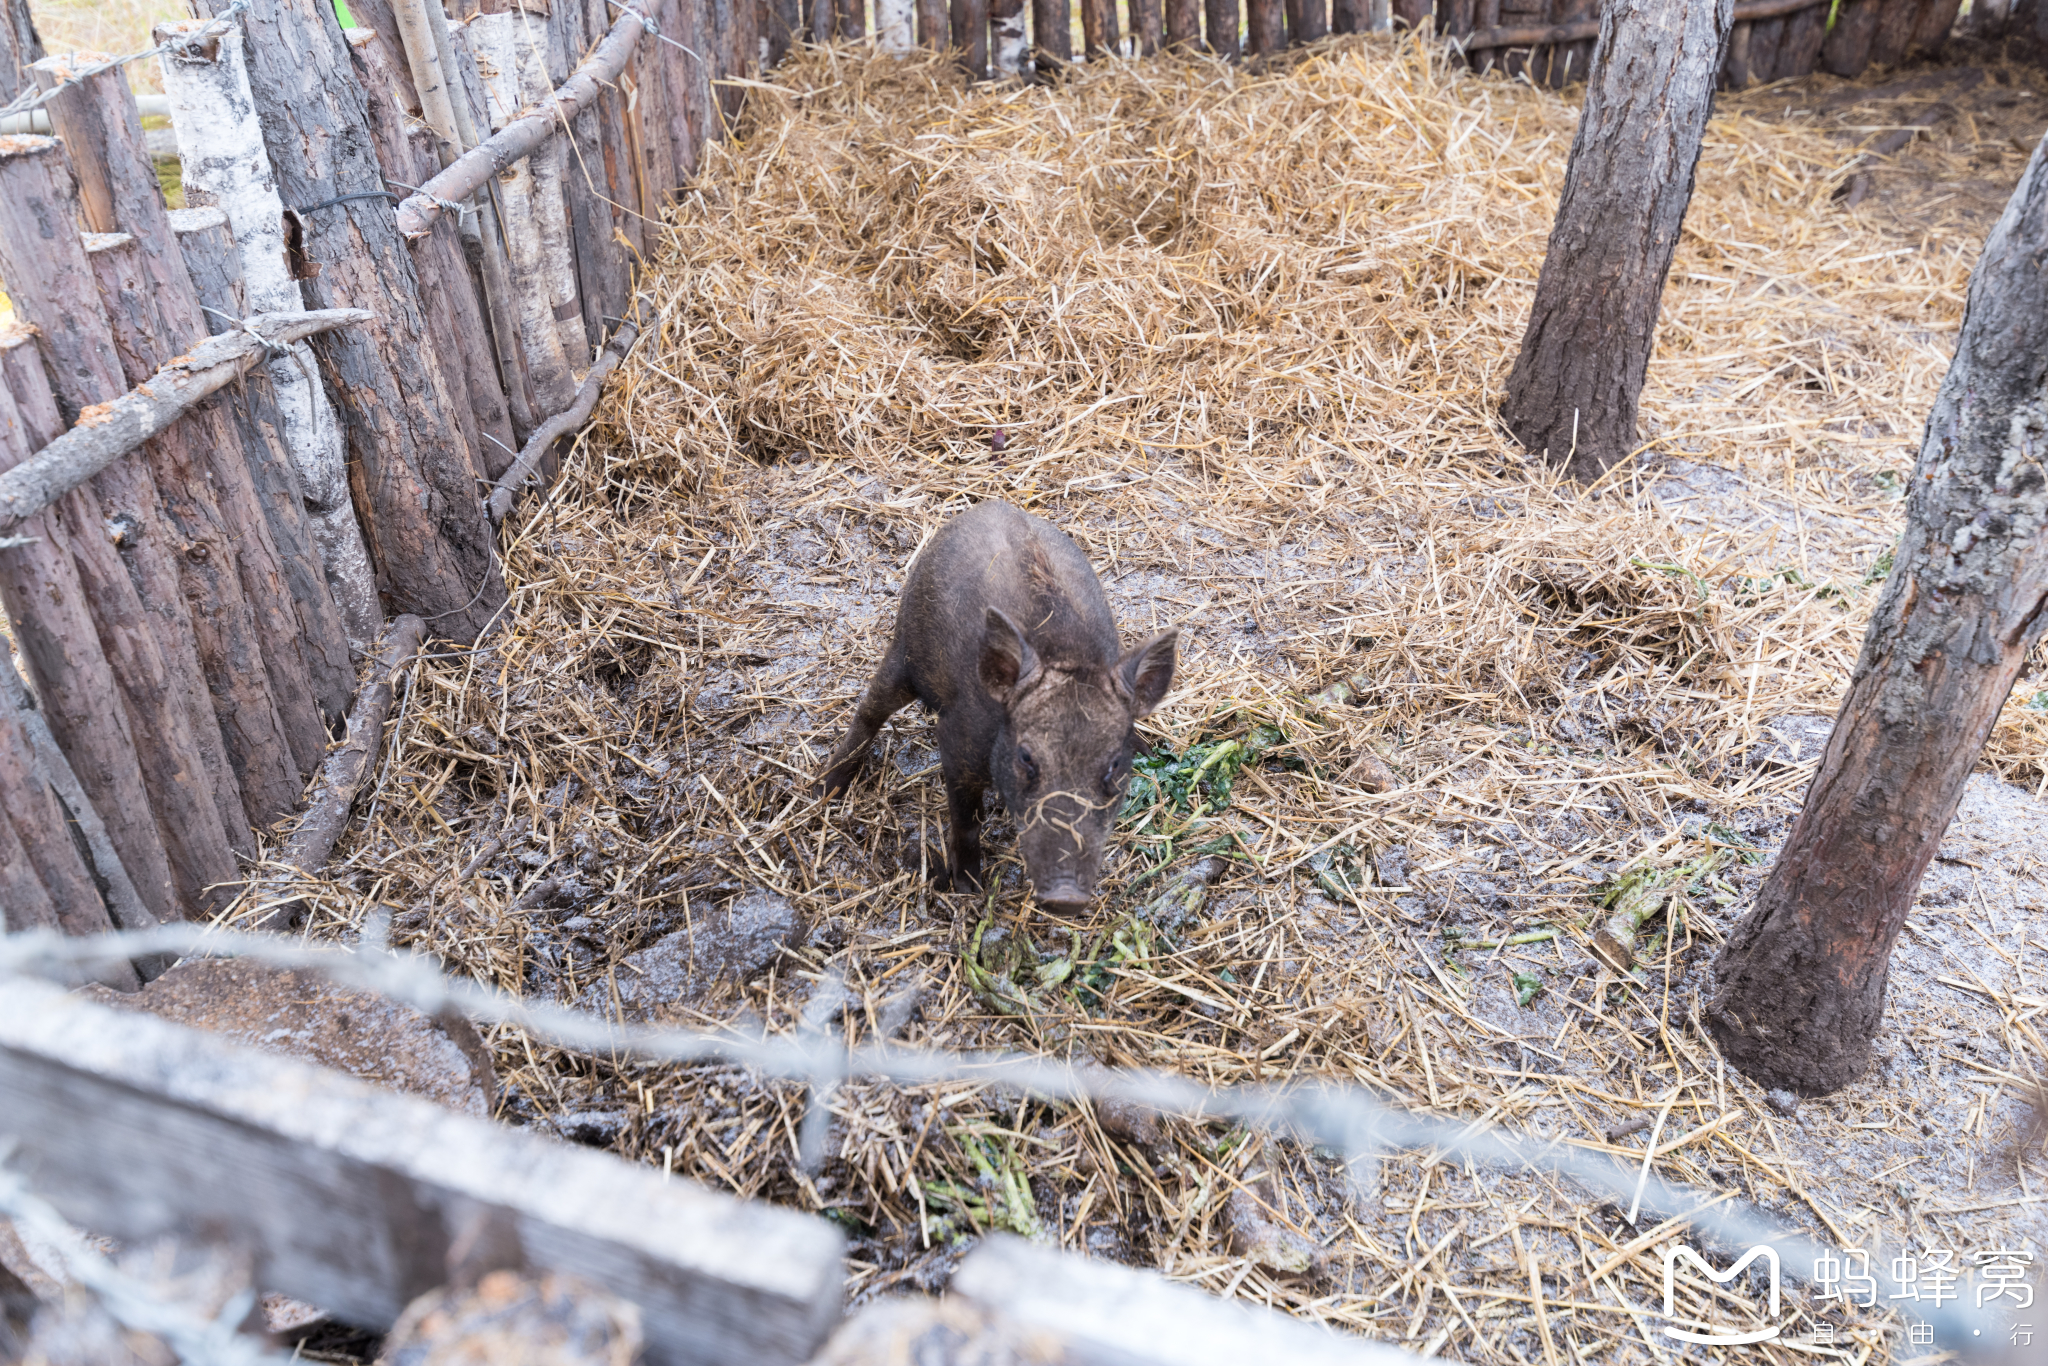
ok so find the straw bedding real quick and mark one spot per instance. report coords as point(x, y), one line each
point(1240, 335)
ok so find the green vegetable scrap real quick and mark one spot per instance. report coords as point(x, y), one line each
point(1342, 872)
point(999, 1196)
point(1640, 893)
point(1007, 975)
point(1197, 779)
point(1528, 985)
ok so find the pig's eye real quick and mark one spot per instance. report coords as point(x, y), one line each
point(1027, 766)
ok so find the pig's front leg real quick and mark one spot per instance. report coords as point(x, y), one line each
point(965, 785)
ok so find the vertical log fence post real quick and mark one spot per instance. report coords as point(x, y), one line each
point(1006, 36)
point(47, 586)
point(226, 166)
point(1266, 29)
point(192, 791)
point(1225, 19)
point(1147, 31)
point(893, 21)
point(215, 267)
point(1184, 24)
point(417, 487)
point(1099, 35)
point(970, 34)
point(258, 670)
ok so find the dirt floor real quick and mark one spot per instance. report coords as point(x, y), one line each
point(1241, 337)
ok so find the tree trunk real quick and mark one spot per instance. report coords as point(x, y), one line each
point(1224, 18)
point(19, 47)
point(934, 23)
point(143, 618)
point(1572, 394)
point(894, 20)
point(1800, 986)
point(1184, 24)
point(1351, 16)
point(1308, 20)
point(264, 696)
point(226, 167)
point(1006, 36)
point(1098, 27)
point(1052, 36)
point(1266, 29)
point(320, 636)
point(1148, 31)
point(45, 586)
point(970, 35)
point(783, 24)
point(424, 523)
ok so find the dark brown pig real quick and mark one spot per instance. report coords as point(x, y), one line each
point(1004, 632)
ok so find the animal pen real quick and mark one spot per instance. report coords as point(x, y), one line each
point(305, 654)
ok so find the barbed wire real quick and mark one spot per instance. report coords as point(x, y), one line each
point(1337, 1115)
point(32, 98)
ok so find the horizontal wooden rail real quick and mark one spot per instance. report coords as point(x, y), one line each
point(1552, 35)
point(563, 422)
point(418, 213)
point(359, 1199)
point(108, 431)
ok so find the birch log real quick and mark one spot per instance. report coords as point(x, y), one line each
point(603, 269)
point(321, 638)
point(1006, 36)
point(415, 488)
point(256, 650)
point(44, 586)
point(226, 166)
point(142, 615)
point(512, 59)
point(893, 19)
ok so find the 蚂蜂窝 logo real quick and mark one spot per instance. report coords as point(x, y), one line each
point(1671, 1259)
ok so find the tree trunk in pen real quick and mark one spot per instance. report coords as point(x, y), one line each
point(1801, 983)
point(320, 636)
point(20, 47)
point(1007, 53)
point(1266, 27)
point(895, 22)
point(1224, 19)
point(1147, 30)
point(970, 35)
point(1184, 24)
point(195, 459)
point(1350, 16)
point(428, 536)
point(1572, 394)
point(1099, 31)
point(604, 271)
point(493, 263)
point(251, 646)
point(1308, 20)
point(226, 167)
point(142, 615)
point(48, 587)
point(1052, 36)
point(934, 24)
point(782, 25)
point(853, 22)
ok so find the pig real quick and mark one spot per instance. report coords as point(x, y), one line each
point(1004, 632)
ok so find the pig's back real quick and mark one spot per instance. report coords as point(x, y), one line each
point(993, 555)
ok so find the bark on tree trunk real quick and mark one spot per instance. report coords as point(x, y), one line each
point(1308, 20)
point(1147, 28)
point(226, 167)
point(1184, 24)
point(934, 23)
point(970, 35)
point(428, 535)
point(1052, 37)
point(1006, 36)
point(1266, 29)
point(894, 20)
point(1351, 16)
point(19, 47)
point(321, 635)
point(255, 666)
point(1801, 983)
point(1572, 394)
point(1224, 18)
point(45, 587)
point(1098, 27)
point(142, 614)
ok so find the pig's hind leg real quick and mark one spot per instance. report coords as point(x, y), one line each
point(888, 693)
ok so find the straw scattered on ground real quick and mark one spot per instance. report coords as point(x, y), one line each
point(1241, 336)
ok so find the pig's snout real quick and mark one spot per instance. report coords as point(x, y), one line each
point(1065, 897)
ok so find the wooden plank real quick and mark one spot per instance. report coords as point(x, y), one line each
point(359, 1199)
point(1103, 1314)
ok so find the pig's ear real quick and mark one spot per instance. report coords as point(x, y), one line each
point(1146, 673)
point(1007, 659)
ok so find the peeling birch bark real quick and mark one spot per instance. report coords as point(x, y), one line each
point(225, 166)
point(530, 192)
point(892, 24)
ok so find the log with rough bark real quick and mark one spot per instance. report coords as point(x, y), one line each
point(562, 423)
point(530, 200)
point(970, 34)
point(43, 584)
point(321, 637)
point(1223, 20)
point(782, 26)
point(1184, 24)
point(1052, 36)
point(416, 214)
point(143, 616)
point(20, 47)
point(1350, 16)
point(263, 693)
point(225, 632)
point(1265, 27)
point(597, 193)
point(1801, 984)
point(1100, 37)
point(532, 83)
point(1308, 20)
point(415, 487)
point(1573, 390)
point(934, 23)
point(226, 167)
